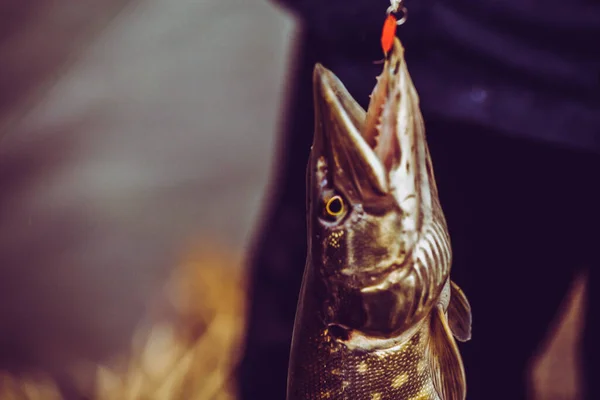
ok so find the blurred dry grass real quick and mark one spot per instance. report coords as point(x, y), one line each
point(189, 356)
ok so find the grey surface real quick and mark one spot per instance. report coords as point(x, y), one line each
point(127, 134)
point(176, 105)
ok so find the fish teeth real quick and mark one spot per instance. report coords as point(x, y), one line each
point(379, 124)
point(378, 135)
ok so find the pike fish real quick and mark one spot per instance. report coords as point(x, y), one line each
point(377, 315)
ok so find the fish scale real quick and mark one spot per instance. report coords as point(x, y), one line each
point(398, 373)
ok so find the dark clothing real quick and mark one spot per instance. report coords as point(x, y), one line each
point(523, 220)
point(511, 102)
point(527, 68)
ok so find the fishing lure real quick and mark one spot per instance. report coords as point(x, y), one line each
point(391, 23)
point(389, 33)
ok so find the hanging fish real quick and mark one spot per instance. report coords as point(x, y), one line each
point(378, 314)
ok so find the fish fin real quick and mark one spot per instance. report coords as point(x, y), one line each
point(445, 360)
point(459, 314)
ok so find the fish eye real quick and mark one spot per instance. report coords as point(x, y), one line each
point(335, 206)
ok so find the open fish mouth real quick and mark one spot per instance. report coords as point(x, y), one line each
point(338, 136)
point(366, 145)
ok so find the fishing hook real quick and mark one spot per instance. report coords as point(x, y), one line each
point(397, 7)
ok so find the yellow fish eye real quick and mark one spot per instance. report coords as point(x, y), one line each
point(335, 206)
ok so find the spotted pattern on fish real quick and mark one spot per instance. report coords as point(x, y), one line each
point(334, 239)
point(391, 374)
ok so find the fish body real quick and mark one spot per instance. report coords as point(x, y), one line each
point(377, 315)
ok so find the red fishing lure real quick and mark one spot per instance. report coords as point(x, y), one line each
point(389, 33)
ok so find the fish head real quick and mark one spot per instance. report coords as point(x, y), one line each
point(371, 196)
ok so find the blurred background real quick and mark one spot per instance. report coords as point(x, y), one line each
point(136, 144)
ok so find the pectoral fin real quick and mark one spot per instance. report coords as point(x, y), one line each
point(446, 364)
point(459, 314)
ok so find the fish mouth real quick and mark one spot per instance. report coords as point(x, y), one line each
point(364, 148)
